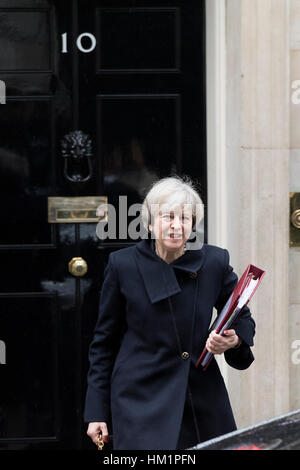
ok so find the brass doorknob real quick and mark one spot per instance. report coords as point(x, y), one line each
point(296, 218)
point(78, 266)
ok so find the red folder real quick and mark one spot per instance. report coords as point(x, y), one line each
point(239, 298)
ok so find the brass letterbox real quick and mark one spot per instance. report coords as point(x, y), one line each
point(74, 210)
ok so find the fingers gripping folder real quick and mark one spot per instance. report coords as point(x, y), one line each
point(241, 295)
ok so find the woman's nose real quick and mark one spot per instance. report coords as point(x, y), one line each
point(176, 222)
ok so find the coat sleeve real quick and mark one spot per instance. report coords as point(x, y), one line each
point(104, 347)
point(241, 357)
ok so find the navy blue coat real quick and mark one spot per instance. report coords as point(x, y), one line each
point(137, 380)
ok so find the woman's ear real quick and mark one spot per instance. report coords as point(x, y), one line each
point(150, 227)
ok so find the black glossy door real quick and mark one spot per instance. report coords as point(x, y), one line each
point(130, 75)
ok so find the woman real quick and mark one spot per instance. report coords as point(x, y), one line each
point(155, 310)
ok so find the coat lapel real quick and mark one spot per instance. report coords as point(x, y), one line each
point(158, 276)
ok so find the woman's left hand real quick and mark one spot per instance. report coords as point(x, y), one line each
point(217, 344)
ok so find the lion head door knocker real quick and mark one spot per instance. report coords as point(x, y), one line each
point(76, 149)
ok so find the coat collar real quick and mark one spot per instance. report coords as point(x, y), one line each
point(159, 277)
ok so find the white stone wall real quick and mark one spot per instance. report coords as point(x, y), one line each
point(258, 150)
point(254, 189)
point(294, 254)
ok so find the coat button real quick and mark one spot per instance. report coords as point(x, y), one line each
point(193, 275)
point(185, 355)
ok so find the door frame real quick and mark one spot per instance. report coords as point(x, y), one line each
point(217, 207)
point(216, 121)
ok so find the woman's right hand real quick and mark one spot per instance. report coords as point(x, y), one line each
point(94, 429)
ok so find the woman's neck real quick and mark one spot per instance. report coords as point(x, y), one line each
point(166, 255)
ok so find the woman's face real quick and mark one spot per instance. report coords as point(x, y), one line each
point(172, 228)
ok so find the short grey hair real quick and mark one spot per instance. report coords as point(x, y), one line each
point(172, 192)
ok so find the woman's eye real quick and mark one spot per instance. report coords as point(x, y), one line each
point(169, 217)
